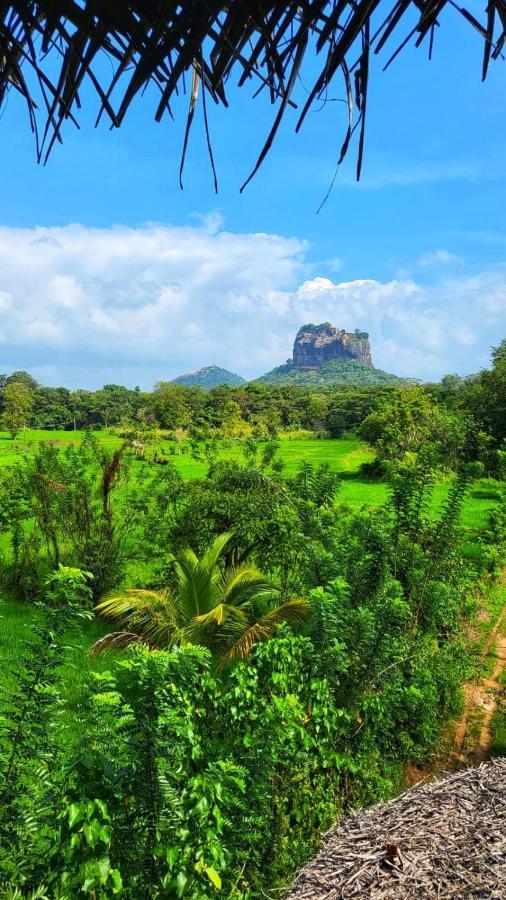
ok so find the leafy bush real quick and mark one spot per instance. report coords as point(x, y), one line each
point(68, 586)
point(65, 507)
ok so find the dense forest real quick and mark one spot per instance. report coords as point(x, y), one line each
point(201, 672)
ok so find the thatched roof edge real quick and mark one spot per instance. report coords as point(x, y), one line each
point(50, 49)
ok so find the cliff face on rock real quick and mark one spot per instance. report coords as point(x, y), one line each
point(318, 344)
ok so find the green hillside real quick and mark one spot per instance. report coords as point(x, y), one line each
point(209, 377)
point(330, 374)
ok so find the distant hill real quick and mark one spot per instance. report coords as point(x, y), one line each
point(209, 377)
point(331, 373)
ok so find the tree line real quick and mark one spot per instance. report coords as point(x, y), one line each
point(456, 406)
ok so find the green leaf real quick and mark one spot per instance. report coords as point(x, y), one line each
point(105, 834)
point(171, 856)
point(89, 835)
point(117, 883)
point(104, 867)
point(213, 877)
point(181, 882)
point(75, 814)
point(103, 809)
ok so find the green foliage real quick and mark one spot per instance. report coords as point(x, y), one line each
point(284, 398)
point(487, 396)
point(405, 422)
point(233, 425)
point(30, 767)
point(311, 329)
point(17, 407)
point(226, 610)
point(347, 410)
point(187, 782)
point(209, 377)
point(85, 840)
point(168, 776)
point(330, 374)
point(64, 507)
point(282, 524)
point(170, 405)
point(68, 586)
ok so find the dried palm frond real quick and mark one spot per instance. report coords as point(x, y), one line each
point(117, 640)
point(50, 49)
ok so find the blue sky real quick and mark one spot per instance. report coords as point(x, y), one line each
point(108, 272)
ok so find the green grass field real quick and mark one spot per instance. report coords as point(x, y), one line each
point(344, 456)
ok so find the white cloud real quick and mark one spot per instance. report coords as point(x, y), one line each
point(397, 174)
point(85, 306)
point(443, 257)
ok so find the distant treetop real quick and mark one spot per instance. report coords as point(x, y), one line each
point(310, 328)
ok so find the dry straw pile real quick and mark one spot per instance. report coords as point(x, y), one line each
point(446, 839)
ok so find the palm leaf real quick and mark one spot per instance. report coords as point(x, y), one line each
point(195, 588)
point(294, 612)
point(212, 555)
point(51, 49)
point(215, 629)
point(208, 607)
point(198, 579)
point(151, 613)
point(241, 585)
point(117, 640)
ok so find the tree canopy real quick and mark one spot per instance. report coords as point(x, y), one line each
point(50, 49)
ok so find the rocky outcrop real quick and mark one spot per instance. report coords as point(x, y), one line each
point(317, 344)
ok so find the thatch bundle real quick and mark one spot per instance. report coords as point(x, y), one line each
point(49, 49)
point(445, 839)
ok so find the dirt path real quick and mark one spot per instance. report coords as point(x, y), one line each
point(487, 700)
point(481, 702)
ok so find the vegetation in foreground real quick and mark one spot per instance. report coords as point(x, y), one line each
point(149, 772)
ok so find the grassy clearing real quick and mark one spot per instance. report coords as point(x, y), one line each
point(11, 451)
point(15, 618)
point(343, 455)
point(77, 662)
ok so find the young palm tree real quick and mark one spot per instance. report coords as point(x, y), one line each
point(226, 610)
